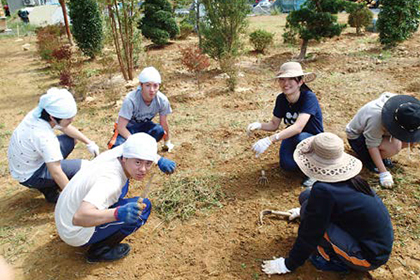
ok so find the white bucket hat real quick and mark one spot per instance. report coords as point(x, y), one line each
point(58, 103)
point(150, 74)
point(322, 157)
point(294, 69)
point(142, 146)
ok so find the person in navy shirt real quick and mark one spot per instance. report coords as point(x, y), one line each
point(298, 106)
point(344, 224)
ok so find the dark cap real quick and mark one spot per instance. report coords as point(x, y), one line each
point(401, 117)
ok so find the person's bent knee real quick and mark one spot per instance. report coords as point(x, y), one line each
point(288, 165)
point(157, 132)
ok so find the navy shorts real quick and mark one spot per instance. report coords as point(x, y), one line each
point(42, 178)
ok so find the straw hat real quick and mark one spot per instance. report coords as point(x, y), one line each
point(294, 69)
point(401, 117)
point(322, 157)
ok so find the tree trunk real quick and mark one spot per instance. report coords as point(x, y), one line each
point(303, 49)
point(66, 21)
point(197, 4)
point(117, 42)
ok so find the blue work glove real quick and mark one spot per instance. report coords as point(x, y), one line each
point(166, 165)
point(128, 213)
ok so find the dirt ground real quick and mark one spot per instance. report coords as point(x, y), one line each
point(208, 129)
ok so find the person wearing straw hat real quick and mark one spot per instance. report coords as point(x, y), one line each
point(139, 108)
point(344, 224)
point(37, 157)
point(381, 128)
point(299, 108)
point(93, 211)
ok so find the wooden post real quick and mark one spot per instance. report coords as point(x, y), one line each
point(66, 20)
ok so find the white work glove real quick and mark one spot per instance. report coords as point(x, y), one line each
point(93, 148)
point(261, 145)
point(276, 266)
point(167, 145)
point(253, 126)
point(385, 178)
point(294, 213)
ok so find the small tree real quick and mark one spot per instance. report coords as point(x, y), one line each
point(314, 21)
point(195, 61)
point(126, 36)
point(359, 16)
point(398, 20)
point(158, 23)
point(261, 39)
point(86, 26)
point(225, 20)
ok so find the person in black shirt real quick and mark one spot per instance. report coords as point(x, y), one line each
point(298, 107)
point(344, 224)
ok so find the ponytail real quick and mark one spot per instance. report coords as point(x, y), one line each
point(360, 185)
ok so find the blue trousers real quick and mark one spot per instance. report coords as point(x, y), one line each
point(106, 230)
point(287, 149)
point(42, 178)
point(151, 128)
point(337, 244)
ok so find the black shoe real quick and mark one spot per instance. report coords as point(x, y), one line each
point(105, 253)
point(51, 194)
point(388, 163)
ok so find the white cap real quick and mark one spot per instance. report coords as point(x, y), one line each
point(142, 146)
point(58, 103)
point(150, 74)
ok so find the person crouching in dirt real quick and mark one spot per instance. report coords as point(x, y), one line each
point(139, 108)
point(300, 111)
point(344, 224)
point(92, 209)
point(37, 156)
point(381, 128)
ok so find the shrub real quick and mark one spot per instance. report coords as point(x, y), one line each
point(185, 29)
point(398, 20)
point(49, 39)
point(224, 22)
point(195, 61)
point(359, 16)
point(86, 26)
point(261, 39)
point(62, 65)
point(158, 23)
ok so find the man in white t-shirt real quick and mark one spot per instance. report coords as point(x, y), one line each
point(36, 155)
point(137, 112)
point(92, 209)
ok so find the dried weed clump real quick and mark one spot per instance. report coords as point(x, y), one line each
point(183, 197)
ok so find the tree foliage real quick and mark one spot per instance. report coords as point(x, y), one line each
point(86, 26)
point(123, 18)
point(158, 23)
point(224, 22)
point(261, 39)
point(398, 20)
point(314, 21)
point(359, 16)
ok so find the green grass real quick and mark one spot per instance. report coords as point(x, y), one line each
point(182, 198)
point(24, 29)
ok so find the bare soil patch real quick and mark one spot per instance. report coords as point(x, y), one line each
point(208, 129)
